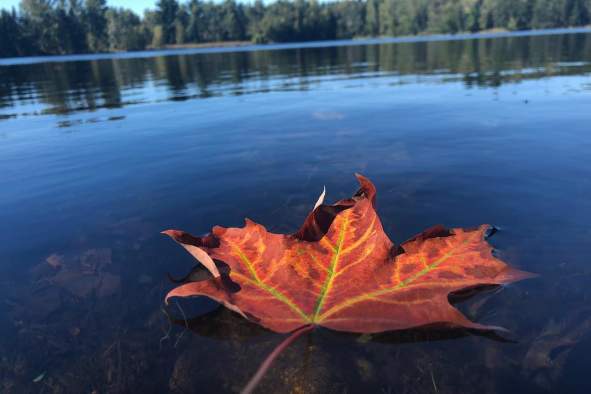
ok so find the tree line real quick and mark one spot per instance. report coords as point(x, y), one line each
point(42, 27)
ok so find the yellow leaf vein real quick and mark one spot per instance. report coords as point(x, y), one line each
point(363, 297)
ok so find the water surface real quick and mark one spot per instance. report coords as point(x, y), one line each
point(99, 154)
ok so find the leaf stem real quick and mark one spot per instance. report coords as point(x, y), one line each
point(258, 376)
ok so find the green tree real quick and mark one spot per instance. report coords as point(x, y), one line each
point(473, 16)
point(388, 21)
point(279, 24)
point(39, 26)
point(166, 13)
point(372, 17)
point(10, 33)
point(578, 13)
point(74, 26)
point(350, 18)
point(158, 36)
point(233, 21)
point(70, 27)
point(180, 25)
point(95, 20)
point(487, 20)
point(125, 30)
point(254, 16)
point(547, 14)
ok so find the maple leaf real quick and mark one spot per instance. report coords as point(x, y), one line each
point(341, 271)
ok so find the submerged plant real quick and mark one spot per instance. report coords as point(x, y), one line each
point(342, 272)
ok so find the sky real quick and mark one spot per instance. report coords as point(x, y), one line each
point(137, 5)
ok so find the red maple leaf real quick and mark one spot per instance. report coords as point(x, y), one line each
point(341, 271)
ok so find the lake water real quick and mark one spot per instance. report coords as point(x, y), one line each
point(99, 154)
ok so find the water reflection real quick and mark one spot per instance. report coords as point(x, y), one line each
point(62, 88)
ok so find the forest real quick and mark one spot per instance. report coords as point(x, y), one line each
point(53, 27)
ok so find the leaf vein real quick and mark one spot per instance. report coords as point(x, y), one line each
point(332, 269)
point(270, 289)
point(362, 297)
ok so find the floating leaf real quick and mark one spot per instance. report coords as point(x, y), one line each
point(341, 271)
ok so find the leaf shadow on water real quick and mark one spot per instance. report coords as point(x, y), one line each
point(325, 361)
point(426, 359)
point(217, 322)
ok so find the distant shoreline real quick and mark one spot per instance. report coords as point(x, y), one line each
point(193, 45)
point(239, 44)
point(244, 46)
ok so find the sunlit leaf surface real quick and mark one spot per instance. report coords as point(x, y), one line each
point(341, 271)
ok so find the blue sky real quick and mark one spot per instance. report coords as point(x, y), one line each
point(137, 5)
